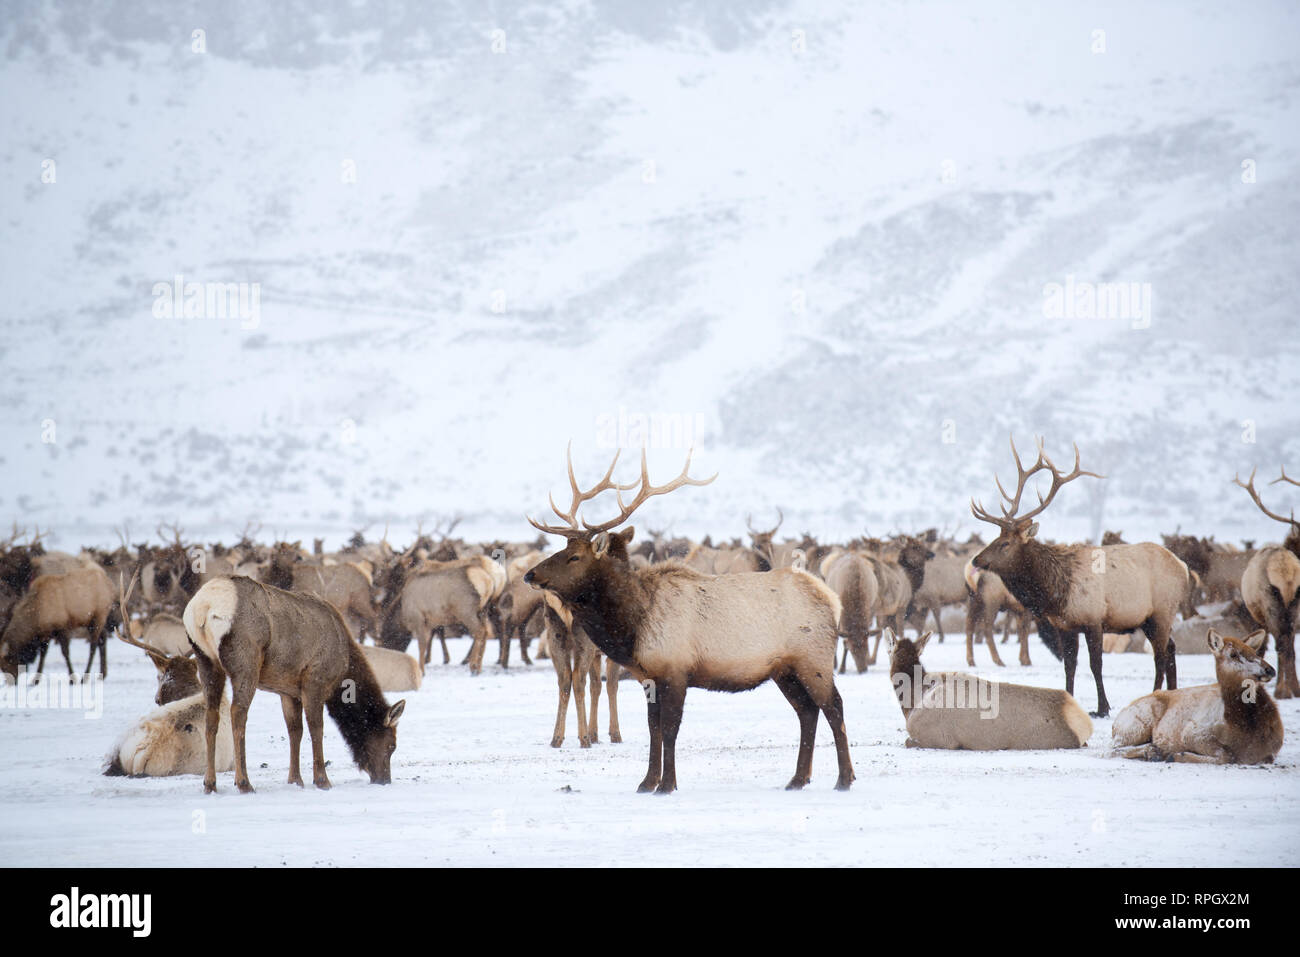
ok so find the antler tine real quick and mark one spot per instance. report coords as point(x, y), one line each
point(1249, 486)
point(1284, 478)
point(570, 517)
point(1012, 514)
point(124, 632)
point(647, 491)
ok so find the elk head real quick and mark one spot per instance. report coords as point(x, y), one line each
point(762, 541)
point(178, 675)
point(1292, 542)
point(1006, 555)
point(1240, 658)
point(576, 573)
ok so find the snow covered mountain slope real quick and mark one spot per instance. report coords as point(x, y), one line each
point(818, 235)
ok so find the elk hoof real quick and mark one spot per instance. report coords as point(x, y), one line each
point(296, 779)
point(615, 738)
point(1283, 692)
point(209, 787)
point(665, 788)
point(1099, 713)
point(322, 782)
point(796, 783)
point(648, 785)
point(842, 785)
point(244, 787)
point(557, 741)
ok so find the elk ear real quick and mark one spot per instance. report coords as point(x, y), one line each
point(1255, 641)
point(891, 641)
point(1215, 641)
point(600, 544)
point(627, 534)
point(394, 713)
point(922, 641)
point(1032, 530)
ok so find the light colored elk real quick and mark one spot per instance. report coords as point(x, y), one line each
point(851, 577)
point(1233, 721)
point(394, 670)
point(575, 657)
point(1270, 587)
point(943, 584)
point(1086, 588)
point(441, 595)
point(297, 646)
point(988, 596)
point(53, 607)
point(344, 586)
point(952, 711)
point(677, 628)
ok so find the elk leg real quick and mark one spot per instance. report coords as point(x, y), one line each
point(1162, 644)
point(804, 707)
point(564, 676)
point(844, 659)
point(972, 622)
point(611, 692)
point(993, 645)
point(578, 669)
point(871, 660)
point(938, 621)
point(213, 680)
point(1093, 637)
point(593, 679)
point(64, 642)
point(423, 640)
point(315, 708)
point(45, 648)
point(654, 771)
point(442, 637)
point(1069, 642)
point(673, 702)
point(1287, 684)
point(523, 646)
point(821, 689)
point(292, 709)
point(1024, 641)
point(241, 696)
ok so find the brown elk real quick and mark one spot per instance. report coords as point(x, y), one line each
point(436, 596)
point(1086, 588)
point(575, 657)
point(954, 711)
point(677, 628)
point(345, 586)
point(943, 584)
point(1233, 721)
point(53, 607)
point(297, 646)
point(1270, 587)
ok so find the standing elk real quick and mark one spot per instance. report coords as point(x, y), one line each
point(852, 579)
point(575, 657)
point(344, 586)
point(1233, 721)
point(297, 646)
point(1093, 589)
point(438, 596)
point(54, 606)
point(677, 628)
point(1270, 587)
point(988, 596)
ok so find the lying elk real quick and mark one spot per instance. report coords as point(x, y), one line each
point(54, 606)
point(297, 646)
point(1086, 588)
point(955, 711)
point(1233, 721)
point(1270, 587)
point(170, 739)
point(677, 628)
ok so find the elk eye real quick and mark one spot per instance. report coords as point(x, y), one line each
point(573, 558)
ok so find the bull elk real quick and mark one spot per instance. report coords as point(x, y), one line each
point(1093, 589)
point(297, 646)
point(1233, 721)
point(1270, 587)
point(678, 628)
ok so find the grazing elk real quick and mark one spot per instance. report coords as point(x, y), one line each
point(953, 711)
point(678, 628)
point(297, 646)
point(54, 606)
point(851, 577)
point(1233, 721)
point(1086, 588)
point(1270, 587)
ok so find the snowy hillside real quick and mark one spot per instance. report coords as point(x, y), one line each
point(820, 234)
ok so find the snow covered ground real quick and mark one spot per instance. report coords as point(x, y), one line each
point(475, 782)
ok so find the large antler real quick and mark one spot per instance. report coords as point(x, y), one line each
point(645, 491)
point(1249, 486)
point(124, 632)
point(780, 518)
point(1010, 514)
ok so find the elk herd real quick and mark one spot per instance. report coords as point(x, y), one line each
point(330, 633)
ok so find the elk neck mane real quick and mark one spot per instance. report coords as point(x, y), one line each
point(1042, 582)
point(613, 607)
point(357, 718)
